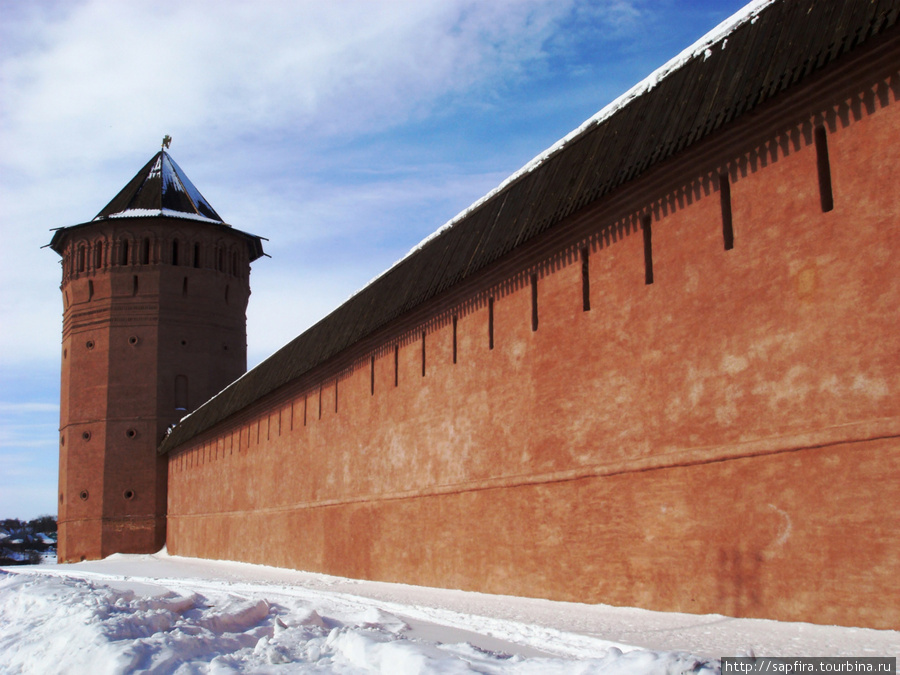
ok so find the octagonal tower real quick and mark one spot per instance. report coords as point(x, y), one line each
point(155, 292)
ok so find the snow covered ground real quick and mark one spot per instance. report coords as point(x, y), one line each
point(165, 614)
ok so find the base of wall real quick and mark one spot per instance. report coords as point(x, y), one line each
point(758, 537)
point(95, 539)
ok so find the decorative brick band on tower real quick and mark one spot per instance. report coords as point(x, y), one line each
point(155, 291)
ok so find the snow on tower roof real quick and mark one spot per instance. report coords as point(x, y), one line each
point(161, 188)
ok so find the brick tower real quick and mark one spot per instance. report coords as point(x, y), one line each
point(155, 291)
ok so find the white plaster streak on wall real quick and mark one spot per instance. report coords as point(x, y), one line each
point(784, 532)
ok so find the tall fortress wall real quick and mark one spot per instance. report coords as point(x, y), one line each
point(682, 397)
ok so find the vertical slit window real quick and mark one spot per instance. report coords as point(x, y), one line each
point(175, 252)
point(491, 322)
point(98, 255)
point(372, 375)
point(320, 401)
point(184, 285)
point(585, 280)
point(396, 365)
point(181, 393)
point(647, 227)
point(123, 253)
point(423, 353)
point(81, 257)
point(305, 407)
point(534, 302)
point(824, 167)
point(335, 395)
point(90, 289)
point(145, 252)
point(725, 197)
point(196, 255)
point(455, 321)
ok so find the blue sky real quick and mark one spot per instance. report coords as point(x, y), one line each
point(344, 132)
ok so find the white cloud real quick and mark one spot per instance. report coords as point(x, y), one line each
point(106, 73)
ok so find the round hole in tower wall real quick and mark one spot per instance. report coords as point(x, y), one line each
point(86, 435)
point(184, 343)
point(89, 344)
point(131, 433)
point(133, 340)
point(128, 494)
point(83, 495)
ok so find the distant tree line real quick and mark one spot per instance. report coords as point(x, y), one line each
point(27, 542)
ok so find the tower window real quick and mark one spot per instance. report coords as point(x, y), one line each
point(123, 252)
point(98, 255)
point(175, 252)
point(534, 302)
point(196, 255)
point(81, 257)
point(181, 392)
point(83, 495)
point(145, 251)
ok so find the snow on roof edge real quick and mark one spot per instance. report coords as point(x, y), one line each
point(139, 213)
point(720, 32)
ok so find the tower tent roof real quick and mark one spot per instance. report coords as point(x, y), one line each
point(161, 188)
point(767, 48)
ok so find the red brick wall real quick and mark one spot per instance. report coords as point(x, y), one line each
point(721, 440)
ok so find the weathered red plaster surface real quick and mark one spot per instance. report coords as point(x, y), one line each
point(722, 440)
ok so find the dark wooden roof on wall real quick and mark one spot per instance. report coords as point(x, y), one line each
point(784, 43)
